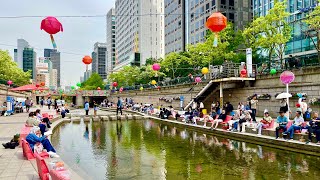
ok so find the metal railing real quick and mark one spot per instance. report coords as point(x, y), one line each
point(228, 70)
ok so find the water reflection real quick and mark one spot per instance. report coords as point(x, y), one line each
point(151, 150)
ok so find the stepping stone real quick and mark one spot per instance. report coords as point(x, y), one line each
point(76, 119)
point(112, 118)
point(86, 118)
point(105, 118)
point(96, 119)
point(129, 117)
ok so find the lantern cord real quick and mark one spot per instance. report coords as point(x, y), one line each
point(53, 42)
point(215, 42)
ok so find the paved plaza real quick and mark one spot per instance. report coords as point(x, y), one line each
point(12, 163)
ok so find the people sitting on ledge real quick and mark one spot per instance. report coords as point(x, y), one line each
point(43, 119)
point(265, 122)
point(220, 119)
point(282, 120)
point(314, 128)
point(235, 119)
point(297, 125)
point(33, 121)
point(39, 143)
point(243, 122)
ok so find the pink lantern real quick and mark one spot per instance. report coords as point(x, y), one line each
point(121, 89)
point(51, 25)
point(197, 79)
point(287, 77)
point(156, 67)
point(9, 82)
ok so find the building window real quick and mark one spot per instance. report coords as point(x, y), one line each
point(223, 2)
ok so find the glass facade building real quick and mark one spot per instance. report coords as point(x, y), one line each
point(239, 12)
point(300, 43)
point(99, 61)
point(29, 61)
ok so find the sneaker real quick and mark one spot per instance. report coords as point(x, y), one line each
point(53, 155)
point(307, 142)
point(259, 134)
point(277, 137)
point(254, 129)
point(284, 134)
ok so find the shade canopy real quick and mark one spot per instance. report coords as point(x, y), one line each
point(28, 87)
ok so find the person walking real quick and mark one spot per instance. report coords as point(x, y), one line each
point(49, 102)
point(119, 106)
point(41, 102)
point(27, 103)
point(254, 103)
point(95, 108)
point(86, 107)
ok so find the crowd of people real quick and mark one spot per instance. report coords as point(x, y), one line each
point(38, 136)
point(244, 116)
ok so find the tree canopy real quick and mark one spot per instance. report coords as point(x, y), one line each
point(133, 75)
point(9, 70)
point(270, 33)
point(93, 82)
point(313, 20)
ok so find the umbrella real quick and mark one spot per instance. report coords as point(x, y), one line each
point(283, 96)
point(28, 87)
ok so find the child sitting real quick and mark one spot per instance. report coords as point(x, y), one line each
point(266, 121)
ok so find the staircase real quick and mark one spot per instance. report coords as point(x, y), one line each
point(204, 93)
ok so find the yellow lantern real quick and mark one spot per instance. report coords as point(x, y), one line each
point(141, 88)
point(205, 70)
point(153, 82)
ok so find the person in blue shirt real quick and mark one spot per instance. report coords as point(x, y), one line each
point(298, 121)
point(119, 106)
point(86, 107)
point(282, 120)
point(35, 137)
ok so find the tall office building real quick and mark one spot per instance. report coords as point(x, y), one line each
point(54, 56)
point(140, 35)
point(86, 75)
point(29, 61)
point(18, 57)
point(175, 25)
point(99, 61)
point(111, 40)
point(54, 79)
point(238, 12)
point(300, 44)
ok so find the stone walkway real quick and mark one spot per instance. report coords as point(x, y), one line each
point(12, 163)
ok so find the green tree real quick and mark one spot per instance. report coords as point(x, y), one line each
point(9, 70)
point(270, 32)
point(313, 20)
point(175, 62)
point(93, 82)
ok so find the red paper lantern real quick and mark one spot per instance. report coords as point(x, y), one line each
point(37, 85)
point(243, 73)
point(87, 60)
point(98, 88)
point(115, 84)
point(42, 83)
point(216, 23)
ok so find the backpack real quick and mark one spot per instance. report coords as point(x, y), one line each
point(308, 115)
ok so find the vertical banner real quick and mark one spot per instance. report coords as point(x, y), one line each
point(249, 61)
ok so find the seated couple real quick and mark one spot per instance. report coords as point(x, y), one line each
point(39, 143)
point(283, 121)
point(35, 118)
point(239, 119)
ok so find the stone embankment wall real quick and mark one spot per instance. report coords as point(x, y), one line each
point(307, 81)
point(4, 92)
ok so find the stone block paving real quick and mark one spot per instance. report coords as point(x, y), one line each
point(13, 166)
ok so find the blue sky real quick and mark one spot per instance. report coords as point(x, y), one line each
point(78, 37)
